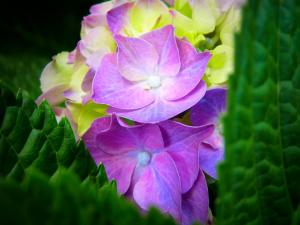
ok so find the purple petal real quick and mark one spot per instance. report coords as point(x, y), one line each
point(90, 137)
point(119, 167)
point(209, 158)
point(210, 108)
point(165, 44)
point(174, 132)
point(116, 139)
point(159, 186)
point(87, 81)
point(119, 139)
point(137, 58)
point(161, 109)
point(193, 65)
point(117, 17)
point(184, 151)
point(195, 203)
point(110, 88)
point(215, 140)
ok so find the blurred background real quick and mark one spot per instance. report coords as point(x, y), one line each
point(31, 33)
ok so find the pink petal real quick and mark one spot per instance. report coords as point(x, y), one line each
point(90, 137)
point(192, 69)
point(137, 58)
point(148, 137)
point(119, 138)
point(186, 156)
point(161, 109)
point(92, 21)
point(174, 132)
point(117, 17)
point(195, 203)
point(165, 44)
point(102, 8)
point(110, 88)
point(54, 95)
point(159, 186)
point(119, 167)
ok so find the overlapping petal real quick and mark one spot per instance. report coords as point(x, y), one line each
point(195, 202)
point(159, 185)
point(182, 144)
point(165, 44)
point(137, 58)
point(193, 65)
point(111, 88)
point(161, 109)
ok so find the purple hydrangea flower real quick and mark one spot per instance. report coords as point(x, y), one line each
point(154, 164)
point(151, 78)
point(208, 111)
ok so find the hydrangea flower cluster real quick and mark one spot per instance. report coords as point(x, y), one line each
point(145, 89)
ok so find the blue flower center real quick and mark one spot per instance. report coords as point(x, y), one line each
point(143, 158)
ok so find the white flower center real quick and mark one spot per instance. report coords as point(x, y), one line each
point(154, 81)
point(143, 158)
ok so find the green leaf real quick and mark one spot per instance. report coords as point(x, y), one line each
point(48, 178)
point(259, 178)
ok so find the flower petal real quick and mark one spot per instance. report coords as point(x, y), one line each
point(209, 159)
point(145, 15)
point(165, 44)
point(193, 66)
point(204, 14)
point(118, 138)
point(57, 72)
point(174, 132)
point(161, 110)
point(119, 167)
point(117, 17)
point(110, 88)
point(184, 151)
point(159, 186)
point(210, 107)
point(90, 137)
point(195, 203)
point(137, 58)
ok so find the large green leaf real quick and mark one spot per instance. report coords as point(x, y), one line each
point(47, 178)
point(259, 181)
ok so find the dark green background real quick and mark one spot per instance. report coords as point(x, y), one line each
point(31, 33)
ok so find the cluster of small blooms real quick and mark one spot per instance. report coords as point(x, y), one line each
point(145, 88)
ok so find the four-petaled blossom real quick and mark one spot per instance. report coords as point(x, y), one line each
point(151, 78)
point(209, 111)
point(154, 164)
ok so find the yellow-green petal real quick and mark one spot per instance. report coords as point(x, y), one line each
point(84, 115)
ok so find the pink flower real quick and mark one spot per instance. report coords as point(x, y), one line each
point(154, 164)
point(151, 78)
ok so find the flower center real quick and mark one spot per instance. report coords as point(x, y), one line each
point(143, 158)
point(154, 81)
